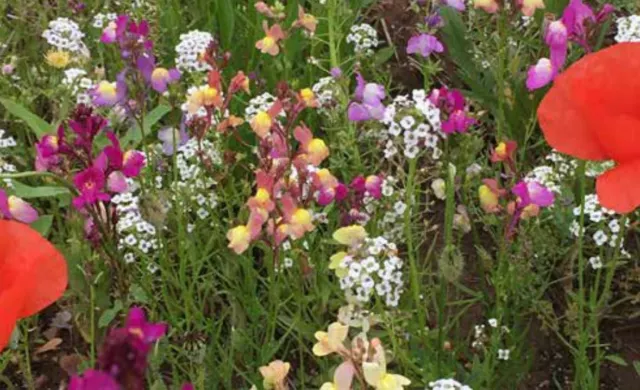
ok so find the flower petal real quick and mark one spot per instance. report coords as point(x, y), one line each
point(619, 189)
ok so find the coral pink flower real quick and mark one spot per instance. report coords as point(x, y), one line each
point(314, 150)
point(12, 207)
point(270, 43)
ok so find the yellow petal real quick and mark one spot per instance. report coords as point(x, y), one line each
point(373, 373)
point(350, 235)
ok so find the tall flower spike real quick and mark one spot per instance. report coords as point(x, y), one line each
point(591, 113)
point(33, 275)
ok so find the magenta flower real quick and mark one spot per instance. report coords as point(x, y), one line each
point(117, 182)
point(373, 185)
point(368, 101)
point(540, 74)
point(532, 192)
point(457, 122)
point(130, 162)
point(424, 44)
point(47, 153)
point(148, 332)
point(90, 184)
point(557, 38)
point(574, 16)
point(12, 207)
point(86, 127)
point(158, 77)
point(93, 380)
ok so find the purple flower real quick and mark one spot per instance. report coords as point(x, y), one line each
point(93, 380)
point(368, 101)
point(85, 125)
point(12, 207)
point(158, 77)
point(434, 20)
point(47, 153)
point(574, 16)
point(130, 162)
point(117, 182)
point(455, 4)
point(8, 69)
point(532, 192)
point(168, 135)
point(336, 72)
point(424, 44)
point(138, 325)
point(540, 74)
point(557, 38)
point(90, 184)
point(453, 105)
point(109, 93)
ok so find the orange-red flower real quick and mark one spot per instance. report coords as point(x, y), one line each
point(33, 275)
point(592, 112)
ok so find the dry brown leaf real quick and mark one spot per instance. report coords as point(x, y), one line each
point(49, 346)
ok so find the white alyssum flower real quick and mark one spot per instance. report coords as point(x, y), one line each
point(503, 354)
point(65, 34)
point(628, 29)
point(364, 38)
point(493, 322)
point(596, 262)
point(447, 384)
point(190, 49)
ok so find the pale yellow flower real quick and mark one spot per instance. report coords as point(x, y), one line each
point(350, 235)
point(376, 375)
point(275, 374)
point(58, 59)
point(331, 341)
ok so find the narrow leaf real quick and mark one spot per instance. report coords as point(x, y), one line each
point(27, 192)
point(43, 224)
point(38, 125)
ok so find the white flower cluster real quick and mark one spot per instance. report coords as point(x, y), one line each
point(192, 45)
point(480, 336)
point(325, 91)
point(259, 103)
point(375, 268)
point(193, 192)
point(601, 224)
point(393, 201)
point(64, 34)
point(5, 143)
point(101, 20)
point(137, 236)
point(628, 29)
point(412, 125)
point(447, 384)
point(75, 80)
point(364, 37)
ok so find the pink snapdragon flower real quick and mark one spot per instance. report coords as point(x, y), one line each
point(12, 207)
point(368, 101)
point(424, 44)
point(540, 74)
point(453, 107)
point(159, 78)
point(130, 162)
point(90, 185)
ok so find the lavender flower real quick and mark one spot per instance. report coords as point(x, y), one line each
point(424, 44)
point(368, 101)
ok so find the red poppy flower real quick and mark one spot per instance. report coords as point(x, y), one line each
point(592, 112)
point(33, 274)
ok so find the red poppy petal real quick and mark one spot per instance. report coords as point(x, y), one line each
point(28, 257)
point(564, 122)
point(11, 301)
point(619, 188)
point(577, 113)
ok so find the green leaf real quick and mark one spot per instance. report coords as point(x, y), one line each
point(134, 136)
point(617, 360)
point(636, 365)
point(43, 224)
point(27, 192)
point(383, 55)
point(38, 125)
point(226, 20)
point(110, 314)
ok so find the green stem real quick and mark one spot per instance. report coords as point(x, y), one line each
point(415, 277)
point(581, 360)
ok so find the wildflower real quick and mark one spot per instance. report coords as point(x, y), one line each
point(58, 59)
point(109, 33)
point(503, 354)
point(490, 6)
point(329, 188)
point(314, 150)
point(90, 183)
point(307, 97)
point(376, 375)
point(335, 263)
point(556, 37)
point(368, 101)
point(299, 220)
point(529, 6)
point(504, 151)
point(306, 21)
point(158, 77)
point(130, 162)
point(93, 379)
point(493, 322)
point(336, 72)
point(455, 4)
point(489, 194)
point(34, 275)
point(352, 235)
point(424, 44)
point(576, 118)
point(540, 74)
point(205, 96)
point(596, 262)
point(331, 341)
point(275, 375)
point(439, 188)
point(269, 44)
point(170, 136)
point(241, 236)
point(239, 82)
point(262, 200)
point(109, 93)
point(263, 120)
point(532, 193)
point(12, 207)
point(342, 377)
